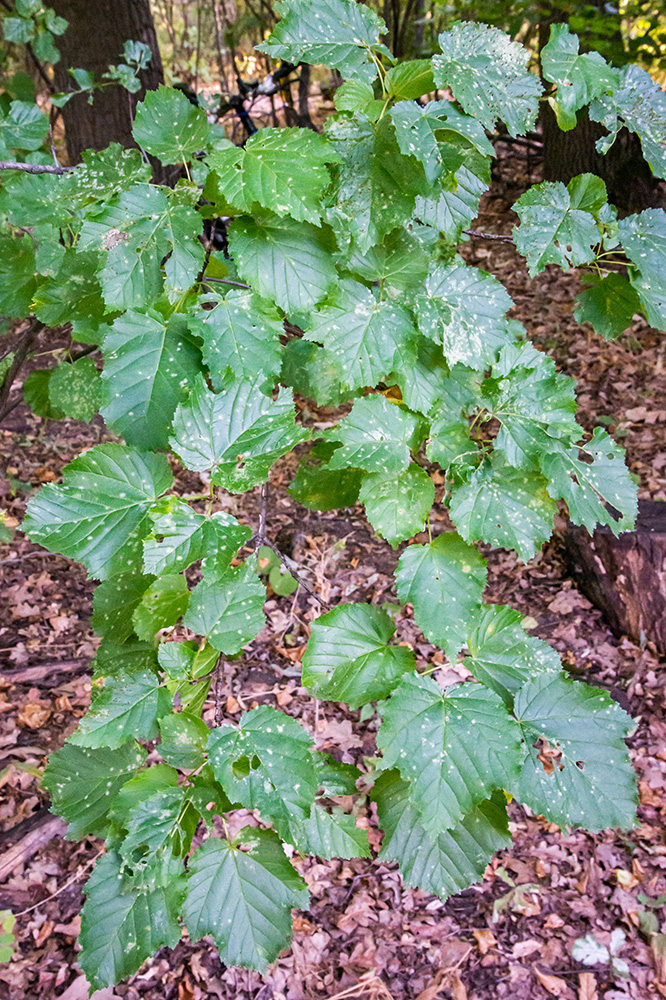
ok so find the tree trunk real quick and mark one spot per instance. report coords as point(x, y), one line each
point(626, 577)
point(629, 181)
point(94, 40)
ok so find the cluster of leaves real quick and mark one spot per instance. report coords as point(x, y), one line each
point(32, 23)
point(351, 236)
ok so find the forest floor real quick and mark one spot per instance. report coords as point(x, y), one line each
point(365, 934)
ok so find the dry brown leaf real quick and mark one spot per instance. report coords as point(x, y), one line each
point(458, 989)
point(658, 946)
point(434, 987)
point(552, 984)
point(587, 989)
point(522, 949)
point(34, 714)
point(485, 940)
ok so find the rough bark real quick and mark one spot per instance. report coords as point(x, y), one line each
point(93, 41)
point(626, 577)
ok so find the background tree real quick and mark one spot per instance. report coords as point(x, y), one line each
point(93, 41)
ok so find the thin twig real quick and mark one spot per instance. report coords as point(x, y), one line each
point(75, 878)
point(487, 236)
point(226, 281)
point(261, 539)
point(33, 168)
point(22, 348)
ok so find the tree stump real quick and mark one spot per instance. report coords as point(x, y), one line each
point(626, 576)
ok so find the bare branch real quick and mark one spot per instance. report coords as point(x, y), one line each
point(33, 168)
point(487, 236)
point(225, 281)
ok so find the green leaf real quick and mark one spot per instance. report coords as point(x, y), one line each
point(312, 371)
point(335, 777)
point(444, 582)
point(535, 404)
point(348, 657)
point(82, 784)
point(643, 240)
point(488, 75)
point(115, 658)
point(227, 608)
point(285, 261)
point(361, 333)
point(36, 394)
point(7, 939)
point(410, 80)
point(281, 169)
point(319, 487)
point(464, 310)
point(162, 604)
point(502, 655)
point(551, 230)
point(169, 127)
point(446, 863)
point(74, 290)
point(588, 486)
point(504, 507)
point(397, 504)
point(98, 514)
point(376, 436)
point(241, 333)
point(450, 210)
point(243, 899)
point(114, 602)
point(153, 822)
point(398, 262)
point(415, 129)
point(125, 707)
point(266, 763)
point(181, 536)
point(238, 433)
point(608, 304)
point(76, 389)
point(332, 835)
point(591, 783)
point(454, 747)
point(377, 185)
point(17, 276)
point(580, 78)
point(146, 225)
point(186, 659)
point(122, 927)
point(24, 126)
point(149, 366)
point(184, 738)
point(430, 387)
point(638, 104)
point(353, 95)
point(153, 779)
point(339, 36)
point(102, 175)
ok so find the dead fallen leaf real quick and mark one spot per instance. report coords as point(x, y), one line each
point(458, 989)
point(434, 987)
point(587, 989)
point(485, 940)
point(658, 946)
point(522, 949)
point(34, 714)
point(552, 984)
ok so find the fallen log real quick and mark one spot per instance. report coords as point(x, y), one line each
point(625, 577)
point(46, 672)
point(38, 835)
